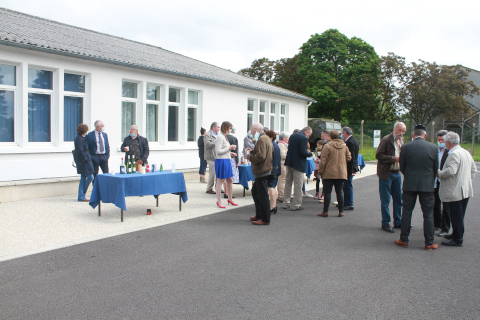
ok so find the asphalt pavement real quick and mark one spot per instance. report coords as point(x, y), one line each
point(220, 266)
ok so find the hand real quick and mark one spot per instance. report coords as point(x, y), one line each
point(237, 165)
point(397, 159)
point(232, 147)
point(139, 162)
point(248, 149)
point(125, 149)
point(354, 173)
point(233, 154)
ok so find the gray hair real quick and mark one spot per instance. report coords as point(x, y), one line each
point(307, 129)
point(214, 124)
point(134, 126)
point(441, 133)
point(452, 138)
point(97, 123)
point(398, 123)
point(283, 135)
point(258, 126)
point(347, 130)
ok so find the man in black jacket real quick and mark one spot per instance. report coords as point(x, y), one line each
point(419, 165)
point(441, 218)
point(136, 145)
point(352, 167)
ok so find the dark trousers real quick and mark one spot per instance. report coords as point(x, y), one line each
point(203, 167)
point(348, 191)
point(441, 217)
point(99, 160)
point(457, 213)
point(427, 201)
point(261, 199)
point(327, 190)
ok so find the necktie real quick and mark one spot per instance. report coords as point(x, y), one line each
point(100, 142)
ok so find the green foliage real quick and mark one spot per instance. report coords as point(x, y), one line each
point(261, 69)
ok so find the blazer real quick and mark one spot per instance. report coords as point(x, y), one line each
point(276, 161)
point(352, 145)
point(442, 163)
point(201, 147)
point(83, 159)
point(92, 143)
point(234, 141)
point(419, 165)
point(457, 175)
point(261, 156)
point(221, 147)
point(298, 152)
point(209, 143)
point(144, 148)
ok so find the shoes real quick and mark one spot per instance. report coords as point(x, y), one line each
point(202, 180)
point(442, 233)
point(225, 196)
point(223, 191)
point(322, 197)
point(254, 218)
point(317, 196)
point(84, 200)
point(280, 200)
point(335, 202)
point(323, 214)
point(291, 197)
point(348, 208)
point(448, 237)
point(260, 223)
point(452, 243)
point(230, 202)
point(397, 227)
point(403, 244)
point(321, 200)
point(223, 207)
point(274, 210)
point(286, 205)
point(341, 214)
point(211, 192)
point(433, 246)
point(387, 228)
point(307, 195)
point(297, 208)
point(436, 229)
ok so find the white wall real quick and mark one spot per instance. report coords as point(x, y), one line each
point(26, 160)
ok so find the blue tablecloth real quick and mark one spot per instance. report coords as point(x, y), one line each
point(245, 174)
point(361, 162)
point(110, 188)
point(310, 167)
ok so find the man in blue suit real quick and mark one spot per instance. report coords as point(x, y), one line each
point(99, 147)
point(295, 163)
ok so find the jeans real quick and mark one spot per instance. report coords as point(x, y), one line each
point(85, 180)
point(203, 167)
point(348, 191)
point(388, 190)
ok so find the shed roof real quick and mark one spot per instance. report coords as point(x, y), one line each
point(27, 31)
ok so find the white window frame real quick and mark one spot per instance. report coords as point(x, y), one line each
point(127, 99)
point(4, 87)
point(179, 113)
point(283, 116)
point(158, 104)
point(262, 113)
point(192, 106)
point(72, 94)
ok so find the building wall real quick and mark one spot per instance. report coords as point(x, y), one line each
point(21, 160)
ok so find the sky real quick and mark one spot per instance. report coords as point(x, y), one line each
point(232, 34)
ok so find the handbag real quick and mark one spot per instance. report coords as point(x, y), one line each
point(273, 172)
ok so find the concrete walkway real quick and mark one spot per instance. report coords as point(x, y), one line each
point(39, 225)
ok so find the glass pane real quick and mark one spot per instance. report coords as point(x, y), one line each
point(172, 123)
point(152, 130)
point(74, 82)
point(191, 121)
point(282, 109)
point(173, 95)
point(40, 79)
point(38, 117)
point(128, 117)
point(250, 105)
point(282, 124)
point(129, 89)
point(272, 123)
point(249, 121)
point(72, 117)
point(192, 97)
point(153, 93)
point(8, 75)
point(6, 116)
point(262, 119)
point(262, 106)
point(272, 108)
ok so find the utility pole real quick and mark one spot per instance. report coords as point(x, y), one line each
point(433, 132)
point(361, 137)
point(473, 139)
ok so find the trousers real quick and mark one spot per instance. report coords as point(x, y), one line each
point(427, 201)
point(261, 199)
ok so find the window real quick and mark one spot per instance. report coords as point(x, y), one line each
point(40, 83)
point(174, 105)
point(250, 107)
point(8, 84)
point(272, 116)
point(192, 115)
point(129, 106)
point(261, 114)
point(74, 88)
point(282, 117)
point(153, 100)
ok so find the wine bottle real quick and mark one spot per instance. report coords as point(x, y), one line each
point(129, 167)
point(161, 167)
point(122, 166)
point(134, 165)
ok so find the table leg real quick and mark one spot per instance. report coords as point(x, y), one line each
point(121, 213)
point(180, 201)
point(157, 200)
point(244, 192)
point(99, 208)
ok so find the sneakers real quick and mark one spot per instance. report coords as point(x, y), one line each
point(307, 195)
point(335, 203)
point(297, 208)
point(317, 196)
point(442, 233)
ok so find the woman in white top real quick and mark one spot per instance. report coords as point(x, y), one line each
point(223, 167)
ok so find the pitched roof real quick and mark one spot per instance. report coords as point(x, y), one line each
point(27, 31)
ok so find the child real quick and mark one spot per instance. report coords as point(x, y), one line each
point(318, 152)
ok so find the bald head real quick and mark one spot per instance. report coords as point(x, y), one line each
point(257, 127)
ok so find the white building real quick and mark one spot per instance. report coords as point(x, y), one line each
point(54, 76)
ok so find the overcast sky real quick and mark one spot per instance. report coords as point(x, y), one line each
point(231, 34)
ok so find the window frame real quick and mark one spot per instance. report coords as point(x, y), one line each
point(76, 95)
point(128, 99)
point(14, 89)
point(178, 105)
point(192, 106)
point(158, 105)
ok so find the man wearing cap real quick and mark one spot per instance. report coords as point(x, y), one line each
point(390, 179)
point(419, 165)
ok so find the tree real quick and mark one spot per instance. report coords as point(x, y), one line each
point(287, 75)
point(341, 74)
point(261, 69)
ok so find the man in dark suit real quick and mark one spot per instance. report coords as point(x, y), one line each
point(99, 147)
point(419, 165)
point(352, 167)
point(441, 218)
point(295, 163)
